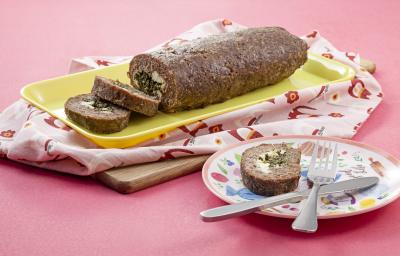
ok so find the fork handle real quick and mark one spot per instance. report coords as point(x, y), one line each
point(307, 221)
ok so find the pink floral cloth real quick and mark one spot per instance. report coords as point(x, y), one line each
point(32, 136)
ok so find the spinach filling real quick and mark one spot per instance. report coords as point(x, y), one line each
point(275, 158)
point(98, 104)
point(122, 85)
point(147, 84)
point(103, 106)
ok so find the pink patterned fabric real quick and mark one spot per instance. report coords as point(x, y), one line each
point(32, 136)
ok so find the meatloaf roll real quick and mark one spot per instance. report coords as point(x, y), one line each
point(271, 169)
point(125, 96)
point(216, 68)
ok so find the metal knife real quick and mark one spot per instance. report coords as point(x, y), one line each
point(235, 210)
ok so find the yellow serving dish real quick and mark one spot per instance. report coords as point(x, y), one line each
point(50, 96)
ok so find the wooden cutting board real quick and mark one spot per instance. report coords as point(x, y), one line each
point(132, 178)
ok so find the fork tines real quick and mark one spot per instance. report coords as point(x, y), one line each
point(323, 156)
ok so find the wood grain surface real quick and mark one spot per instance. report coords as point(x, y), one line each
point(132, 178)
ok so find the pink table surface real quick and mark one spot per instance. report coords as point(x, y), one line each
point(45, 213)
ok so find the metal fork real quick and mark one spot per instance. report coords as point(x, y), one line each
point(307, 221)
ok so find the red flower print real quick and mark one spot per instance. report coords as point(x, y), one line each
point(189, 141)
point(33, 111)
point(215, 128)
point(48, 147)
point(369, 111)
point(102, 62)
point(169, 153)
point(321, 91)
point(7, 134)
point(351, 55)
point(357, 126)
point(312, 34)
point(186, 142)
point(292, 96)
point(162, 136)
point(358, 90)
point(219, 177)
point(236, 135)
point(335, 115)
point(327, 55)
point(315, 132)
point(275, 134)
point(200, 125)
point(335, 97)
point(296, 112)
point(226, 22)
point(380, 95)
point(252, 121)
point(253, 134)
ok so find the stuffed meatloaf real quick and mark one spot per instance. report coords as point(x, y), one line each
point(271, 169)
point(216, 68)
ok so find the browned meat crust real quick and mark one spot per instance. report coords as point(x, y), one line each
point(216, 68)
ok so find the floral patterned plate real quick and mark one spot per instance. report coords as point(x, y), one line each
point(221, 174)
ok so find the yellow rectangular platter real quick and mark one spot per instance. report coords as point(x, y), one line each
point(50, 96)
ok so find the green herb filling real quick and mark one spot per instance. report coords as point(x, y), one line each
point(275, 158)
point(147, 84)
point(122, 85)
point(98, 104)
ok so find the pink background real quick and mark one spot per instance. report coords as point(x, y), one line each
point(45, 213)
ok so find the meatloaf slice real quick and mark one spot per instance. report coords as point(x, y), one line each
point(95, 114)
point(271, 169)
point(125, 96)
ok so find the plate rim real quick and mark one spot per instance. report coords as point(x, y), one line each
point(394, 195)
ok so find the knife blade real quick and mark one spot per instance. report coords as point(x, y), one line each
point(235, 210)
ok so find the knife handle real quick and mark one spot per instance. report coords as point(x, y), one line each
point(235, 210)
